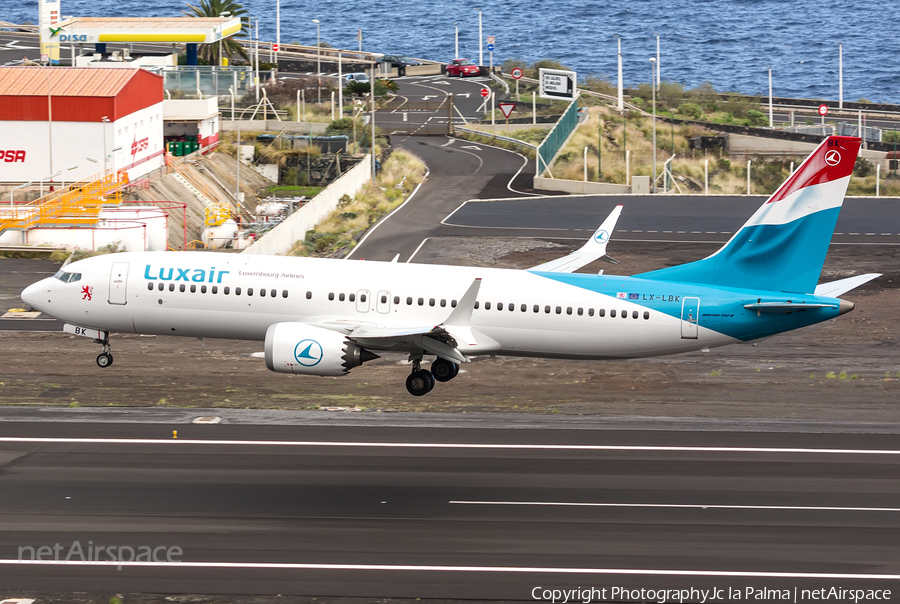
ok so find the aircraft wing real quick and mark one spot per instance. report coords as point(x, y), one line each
point(590, 251)
point(842, 286)
point(449, 339)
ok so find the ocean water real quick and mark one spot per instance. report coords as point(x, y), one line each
point(729, 43)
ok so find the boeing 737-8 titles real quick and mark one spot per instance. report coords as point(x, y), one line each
point(324, 316)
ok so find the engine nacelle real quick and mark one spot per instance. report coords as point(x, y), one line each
point(306, 349)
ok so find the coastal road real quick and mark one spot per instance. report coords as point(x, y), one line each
point(443, 510)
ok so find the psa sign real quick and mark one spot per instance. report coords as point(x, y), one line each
point(12, 156)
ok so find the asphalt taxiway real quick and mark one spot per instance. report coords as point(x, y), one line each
point(473, 511)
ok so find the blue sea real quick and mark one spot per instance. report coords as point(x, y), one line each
point(729, 43)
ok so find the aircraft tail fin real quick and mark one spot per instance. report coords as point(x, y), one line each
point(783, 245)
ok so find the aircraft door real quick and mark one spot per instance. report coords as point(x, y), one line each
point(362, 300)
point(383, 303)
point(118, 279)
point(690, 318)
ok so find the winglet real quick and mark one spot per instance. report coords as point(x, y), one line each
point(590, 251)
point(462, 314)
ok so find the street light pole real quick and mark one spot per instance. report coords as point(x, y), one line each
point(480, 40)
point(456, 52)
point(620, 97)
point(657, 62)
point(105, 121)
point(771, 120)
point(653, 87)
point(840, 75)
point(318, 62)
point(278, 24)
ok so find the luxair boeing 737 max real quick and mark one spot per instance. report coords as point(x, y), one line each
point(324, 317)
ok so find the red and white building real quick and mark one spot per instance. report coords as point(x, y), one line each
point(76, 122)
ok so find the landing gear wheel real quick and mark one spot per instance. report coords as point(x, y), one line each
point(444, 370)
point(420, 382)
point(104, 359)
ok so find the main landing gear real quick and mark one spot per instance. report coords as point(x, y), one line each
point(105, 358)
point(421, 381)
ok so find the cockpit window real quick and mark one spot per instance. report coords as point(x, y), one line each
point(67, 277)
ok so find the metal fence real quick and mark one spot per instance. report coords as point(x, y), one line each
point(557, 136)
point(190, 80)
point(872, 134)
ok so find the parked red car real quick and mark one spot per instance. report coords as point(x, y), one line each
point(462, 68)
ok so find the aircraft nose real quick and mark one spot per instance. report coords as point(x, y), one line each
point(31, 294)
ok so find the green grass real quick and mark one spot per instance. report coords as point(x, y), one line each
point(306, 191)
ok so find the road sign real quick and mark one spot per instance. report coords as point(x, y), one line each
point(558, 84)
point(823, 110)
point(516, 73)
point(490, 48)
point(507, 108)
point(491, 40)
point(485, 92)
point(274, 47)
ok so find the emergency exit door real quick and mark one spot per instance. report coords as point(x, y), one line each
point(118, 279)
point(690, 318)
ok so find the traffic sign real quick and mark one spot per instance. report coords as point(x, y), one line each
point(558, 84)
point(491, 40)
point(485, 92)
point(516, 73)
point(823, 110)
point(490, 48)
point(507, 108)
point(274, 47)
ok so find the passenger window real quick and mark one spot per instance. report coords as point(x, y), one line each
point(309, 295)
point(149, 285)
point(273, 293)
point(396, 299)
point(202, 289)
point(237, 291)
point(284, 294)
point(362, 297)
point(510, 306)
point(384, 299)
point(193, 289)
point(580, 311)
point(536, 308)
point(421, 301)
point(262, 292)
point(612, 313)
point(215, 289)
point(624, 314)
point(634, 314)
point(646, 315)
point(453, 303)
point(487, 305)
point(431, 302)
point(559, 310)
point(524, 308)
point(477, 304)
point(547, 309)
point(443, 302)
point(569, 310)
point(171, 287)
point(331, 295)
point(226, 290)
point(181, 287)
point(590, 312)
point(409, 301)
point(341, 297)
point(601, 312)
point(249, 291)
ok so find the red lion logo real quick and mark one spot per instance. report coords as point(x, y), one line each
point(87, 292)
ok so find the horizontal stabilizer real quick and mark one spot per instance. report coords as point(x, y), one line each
point(595, 248)
point(842, 286)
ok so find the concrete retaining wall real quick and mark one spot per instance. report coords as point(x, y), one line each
point(280, 239)
point(739, 144)
point(274, 126)
point(579, 186)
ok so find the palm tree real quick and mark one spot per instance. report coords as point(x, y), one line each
point(229, 46)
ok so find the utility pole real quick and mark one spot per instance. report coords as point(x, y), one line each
point(653, 151)
point(480, 40)
point(620, 97)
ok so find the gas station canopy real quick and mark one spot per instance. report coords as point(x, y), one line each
point(98, 30)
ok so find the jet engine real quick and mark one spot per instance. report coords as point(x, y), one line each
point(306, 349)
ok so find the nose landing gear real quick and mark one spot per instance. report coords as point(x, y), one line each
point(105, 358)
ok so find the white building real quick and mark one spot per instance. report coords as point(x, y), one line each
point(63, 124)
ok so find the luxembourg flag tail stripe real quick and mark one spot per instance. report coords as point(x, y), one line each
point(783, 245)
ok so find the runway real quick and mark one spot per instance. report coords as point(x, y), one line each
point(463, 509)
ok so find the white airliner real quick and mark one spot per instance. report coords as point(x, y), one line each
point(324, 317)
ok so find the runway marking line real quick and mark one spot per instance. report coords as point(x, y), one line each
point(401, 445)
point(697, 506)
point(442, 568)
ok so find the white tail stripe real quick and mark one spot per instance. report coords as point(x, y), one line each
point(802, 202)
